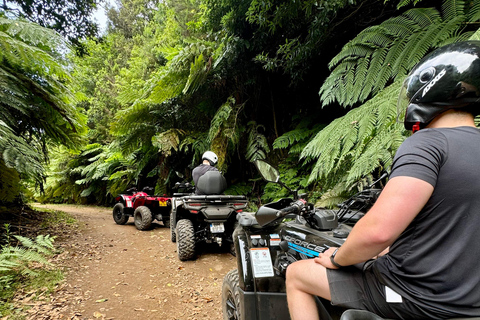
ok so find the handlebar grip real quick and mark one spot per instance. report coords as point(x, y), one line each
point(296, 208)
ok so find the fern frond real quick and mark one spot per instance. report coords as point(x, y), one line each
point(168, 140)
point(360, 134)
point(453, 9)
point(257, 145)
point(380, 54)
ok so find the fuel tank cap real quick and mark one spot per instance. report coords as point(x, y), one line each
point(340, 233)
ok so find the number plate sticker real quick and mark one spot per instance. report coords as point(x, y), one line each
point(162, 203)
point(217, 227)
point(262, 262)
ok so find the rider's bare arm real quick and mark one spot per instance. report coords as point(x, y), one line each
point(399, 203)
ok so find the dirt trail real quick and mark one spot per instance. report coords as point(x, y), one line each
point(118, 272)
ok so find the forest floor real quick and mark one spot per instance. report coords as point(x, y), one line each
point(117, 272)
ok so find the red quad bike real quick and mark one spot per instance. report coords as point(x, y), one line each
point(266, 244)
point(143, 207)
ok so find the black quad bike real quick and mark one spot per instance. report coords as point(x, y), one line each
point(143, 207)
point(265, 245)
point(205, 218)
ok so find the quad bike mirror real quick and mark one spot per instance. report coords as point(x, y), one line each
point(268, 172)
point(271, 174)
point(179, 174)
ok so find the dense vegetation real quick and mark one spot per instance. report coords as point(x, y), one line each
point(311, 86)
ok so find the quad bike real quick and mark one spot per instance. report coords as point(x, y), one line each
point(143, 207)
point(266, 245)
point(207, 218)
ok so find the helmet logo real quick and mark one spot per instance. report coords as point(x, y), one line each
point(432, 83)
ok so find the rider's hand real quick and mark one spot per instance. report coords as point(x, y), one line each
point(324, 258)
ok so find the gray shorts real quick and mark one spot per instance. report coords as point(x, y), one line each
point(357, 287)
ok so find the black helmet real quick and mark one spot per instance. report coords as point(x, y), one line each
point(447, 78)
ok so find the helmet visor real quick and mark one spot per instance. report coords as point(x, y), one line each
point(402, 103)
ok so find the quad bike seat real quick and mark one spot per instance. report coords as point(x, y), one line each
point(212, 182)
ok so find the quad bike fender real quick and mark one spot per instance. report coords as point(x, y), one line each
point(264, 305)
point(273, 305)
point(245, 274)
point(127, 200)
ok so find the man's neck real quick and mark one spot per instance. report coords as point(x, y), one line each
point(451, 119)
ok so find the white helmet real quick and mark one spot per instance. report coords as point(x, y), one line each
point(211, 157)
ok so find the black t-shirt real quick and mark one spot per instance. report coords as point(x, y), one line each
point(436, 261)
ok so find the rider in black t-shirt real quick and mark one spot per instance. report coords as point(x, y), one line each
point(426, 217)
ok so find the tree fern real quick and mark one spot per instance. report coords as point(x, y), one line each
point(355, 145)
point(384, 53)
point(225, 129)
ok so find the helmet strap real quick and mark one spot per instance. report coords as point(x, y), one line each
point(416, 127)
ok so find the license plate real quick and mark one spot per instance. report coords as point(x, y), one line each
point(162, 203)
point(217, 228)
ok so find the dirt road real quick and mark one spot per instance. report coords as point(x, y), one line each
point(118, 272)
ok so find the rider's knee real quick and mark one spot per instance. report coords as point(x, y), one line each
point(292, 273)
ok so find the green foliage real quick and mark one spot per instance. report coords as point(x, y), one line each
point(357, 144)
point(35, 107)
point(9, 183)
point(225, 129)
point(385, 53)
point(292, 176)
point(299, 29)
point(297, 139)
point(24, 264)
point(71, 18)
point(23, 260)
point(257, 147)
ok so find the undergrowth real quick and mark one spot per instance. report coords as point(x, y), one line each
point(25, 264)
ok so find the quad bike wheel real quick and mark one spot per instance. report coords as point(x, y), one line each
point(173, 235)
point(231, 303)
point(118, 216)
point(143, 218)
point(185, 240)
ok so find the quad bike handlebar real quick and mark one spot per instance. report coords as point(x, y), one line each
point(295, 207)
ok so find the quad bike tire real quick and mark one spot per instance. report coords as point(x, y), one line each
point(173, 235)
point(232, 305)
point(185, 240)
point(143, 218)
point(118, 216)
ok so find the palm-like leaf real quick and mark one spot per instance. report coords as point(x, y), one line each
point(35, 104)
point(382, 54)
point(358, 143)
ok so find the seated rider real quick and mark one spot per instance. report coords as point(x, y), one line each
point(427, 215)
point(209, 159)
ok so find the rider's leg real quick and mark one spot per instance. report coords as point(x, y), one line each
point(306, 279)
